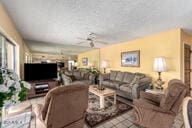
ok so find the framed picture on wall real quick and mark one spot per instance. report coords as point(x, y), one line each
point(84, 61)
point(130, 59)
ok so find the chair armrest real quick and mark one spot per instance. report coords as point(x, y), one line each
point(151, 97)
point(40, 123)
point(67, 79)
point(105, 76)
point(37, 109)
point(140, 85)
point(146, 105)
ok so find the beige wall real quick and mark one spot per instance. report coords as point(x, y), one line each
point(8, 29)
point(93, 58)
point(167, 44)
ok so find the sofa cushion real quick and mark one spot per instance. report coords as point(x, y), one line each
point(77, 75)
point(128, 77)
point(117, 84)
point(119, 76)
point(108, 83)
point(113, 75)
point(126, 88)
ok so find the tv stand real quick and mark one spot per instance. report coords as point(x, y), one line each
point(40, 88)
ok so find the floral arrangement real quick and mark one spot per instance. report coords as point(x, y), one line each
point(12, 89)
point(96, 72)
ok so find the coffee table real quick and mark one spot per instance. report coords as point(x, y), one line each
point(102, 94)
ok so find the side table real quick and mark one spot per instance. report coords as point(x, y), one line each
point(155, 91)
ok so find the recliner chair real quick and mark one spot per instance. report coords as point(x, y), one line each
point(159, 111)
point(64, 107)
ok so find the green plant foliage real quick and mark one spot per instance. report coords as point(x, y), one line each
point(12, 89)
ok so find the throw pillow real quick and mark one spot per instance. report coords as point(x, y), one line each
point(141, 75)
point(135, 81)
point(128, 77)
point(113, 75)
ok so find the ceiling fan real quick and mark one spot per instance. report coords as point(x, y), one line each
point(91, 40)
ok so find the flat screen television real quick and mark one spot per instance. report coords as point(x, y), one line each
point(36, 71)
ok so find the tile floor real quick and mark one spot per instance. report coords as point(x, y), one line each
point(123, 121)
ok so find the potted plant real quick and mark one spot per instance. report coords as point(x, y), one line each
point(12, 89)
point(96, 73)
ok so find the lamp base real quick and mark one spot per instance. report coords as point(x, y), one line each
point(159, 83)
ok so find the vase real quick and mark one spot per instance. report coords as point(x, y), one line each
point(100, 87)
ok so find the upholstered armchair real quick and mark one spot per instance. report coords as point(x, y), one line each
point(159, 111)
point(64, 107)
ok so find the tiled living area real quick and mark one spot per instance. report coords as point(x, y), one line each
point(123, 121)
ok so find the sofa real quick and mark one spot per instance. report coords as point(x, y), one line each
point(79, 76)
point(126, 84)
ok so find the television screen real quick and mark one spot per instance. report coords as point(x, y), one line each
point(37, 71)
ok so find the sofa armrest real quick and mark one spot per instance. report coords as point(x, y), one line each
point(67, 80)
point(105, 76)
point(140, 85)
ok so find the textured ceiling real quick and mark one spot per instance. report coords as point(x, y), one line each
point(113, 21)
point(56, 49)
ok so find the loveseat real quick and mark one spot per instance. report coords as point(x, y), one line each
point(126, 84)
point(79, 76)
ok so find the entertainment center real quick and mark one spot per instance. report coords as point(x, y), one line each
point(40, 88)
point(42, 78)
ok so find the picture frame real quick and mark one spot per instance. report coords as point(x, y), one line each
point(130, 59)
point(84, 61)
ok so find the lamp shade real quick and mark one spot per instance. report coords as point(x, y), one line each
point(104, 64)
point(159, 64)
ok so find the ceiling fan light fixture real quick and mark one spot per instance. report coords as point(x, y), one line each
point(91, 44)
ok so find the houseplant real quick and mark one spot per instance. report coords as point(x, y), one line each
point(12, 89)
point(96, 73)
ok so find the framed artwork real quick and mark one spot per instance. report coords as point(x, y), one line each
point(130, 59)
point(85, 61)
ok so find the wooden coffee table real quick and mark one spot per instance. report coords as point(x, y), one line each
point(102, 94)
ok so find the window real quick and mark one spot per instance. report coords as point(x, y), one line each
point(7, 53)
point(10, 55)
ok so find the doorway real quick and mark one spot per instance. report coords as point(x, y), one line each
point(187, 67)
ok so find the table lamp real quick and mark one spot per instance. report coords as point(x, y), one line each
point(159, 66)
point(104, 65)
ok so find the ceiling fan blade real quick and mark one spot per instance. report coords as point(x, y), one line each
point(81, 38)
point(81, 42)
point(101, 42)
